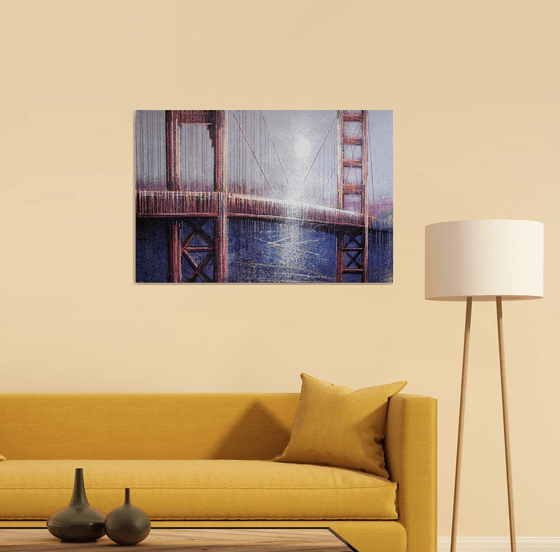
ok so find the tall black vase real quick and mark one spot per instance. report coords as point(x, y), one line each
point(78, 522)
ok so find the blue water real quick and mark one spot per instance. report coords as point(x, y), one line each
point(264, 251)
point(152, 250)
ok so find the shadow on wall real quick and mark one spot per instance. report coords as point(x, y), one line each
point(258, 435)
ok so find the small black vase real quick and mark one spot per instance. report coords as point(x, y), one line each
point(127, 525)
point(78, 522)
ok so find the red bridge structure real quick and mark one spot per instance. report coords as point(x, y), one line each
point(220, 165)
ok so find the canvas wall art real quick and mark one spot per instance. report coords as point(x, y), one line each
point(264, 196)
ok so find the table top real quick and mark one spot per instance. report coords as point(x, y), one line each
point(287, 539)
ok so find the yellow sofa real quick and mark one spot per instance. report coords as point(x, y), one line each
point(204, 460)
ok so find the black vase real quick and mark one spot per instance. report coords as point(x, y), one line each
point(127, 524)
point(78, 522)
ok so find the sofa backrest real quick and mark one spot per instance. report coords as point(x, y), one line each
point(145, 425)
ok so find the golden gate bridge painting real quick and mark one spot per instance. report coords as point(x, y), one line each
point(264, 196)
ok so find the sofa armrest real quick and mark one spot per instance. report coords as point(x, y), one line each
point(411, 458)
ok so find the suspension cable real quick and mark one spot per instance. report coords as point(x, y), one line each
point(329, 179)
point(277, 154)
point(370, 175)
point(319, 150)
point(253, 152)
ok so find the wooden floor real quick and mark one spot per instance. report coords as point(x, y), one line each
point(193, 540)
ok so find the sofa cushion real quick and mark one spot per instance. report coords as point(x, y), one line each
point(198, 489)
point(145, 426)
point(338, 426)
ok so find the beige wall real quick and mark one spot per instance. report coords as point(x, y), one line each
point(474, 88)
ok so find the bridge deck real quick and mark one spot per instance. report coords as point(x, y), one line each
point(205, 204)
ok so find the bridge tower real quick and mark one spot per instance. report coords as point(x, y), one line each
point(352, 244)
point(198, 241)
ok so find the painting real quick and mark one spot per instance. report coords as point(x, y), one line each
point(264, 196)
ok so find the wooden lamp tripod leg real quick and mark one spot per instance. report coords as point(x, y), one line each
point(513, 543)
point(506, 424)
point(461, 422)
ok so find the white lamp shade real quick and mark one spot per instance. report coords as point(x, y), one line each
point(484, 259)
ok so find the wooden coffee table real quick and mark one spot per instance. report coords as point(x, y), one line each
point(191, 540)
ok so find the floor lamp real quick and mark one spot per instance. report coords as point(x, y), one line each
point(484, 260)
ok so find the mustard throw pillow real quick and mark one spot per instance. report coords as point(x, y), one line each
point(338, 426)
point(2, 458)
